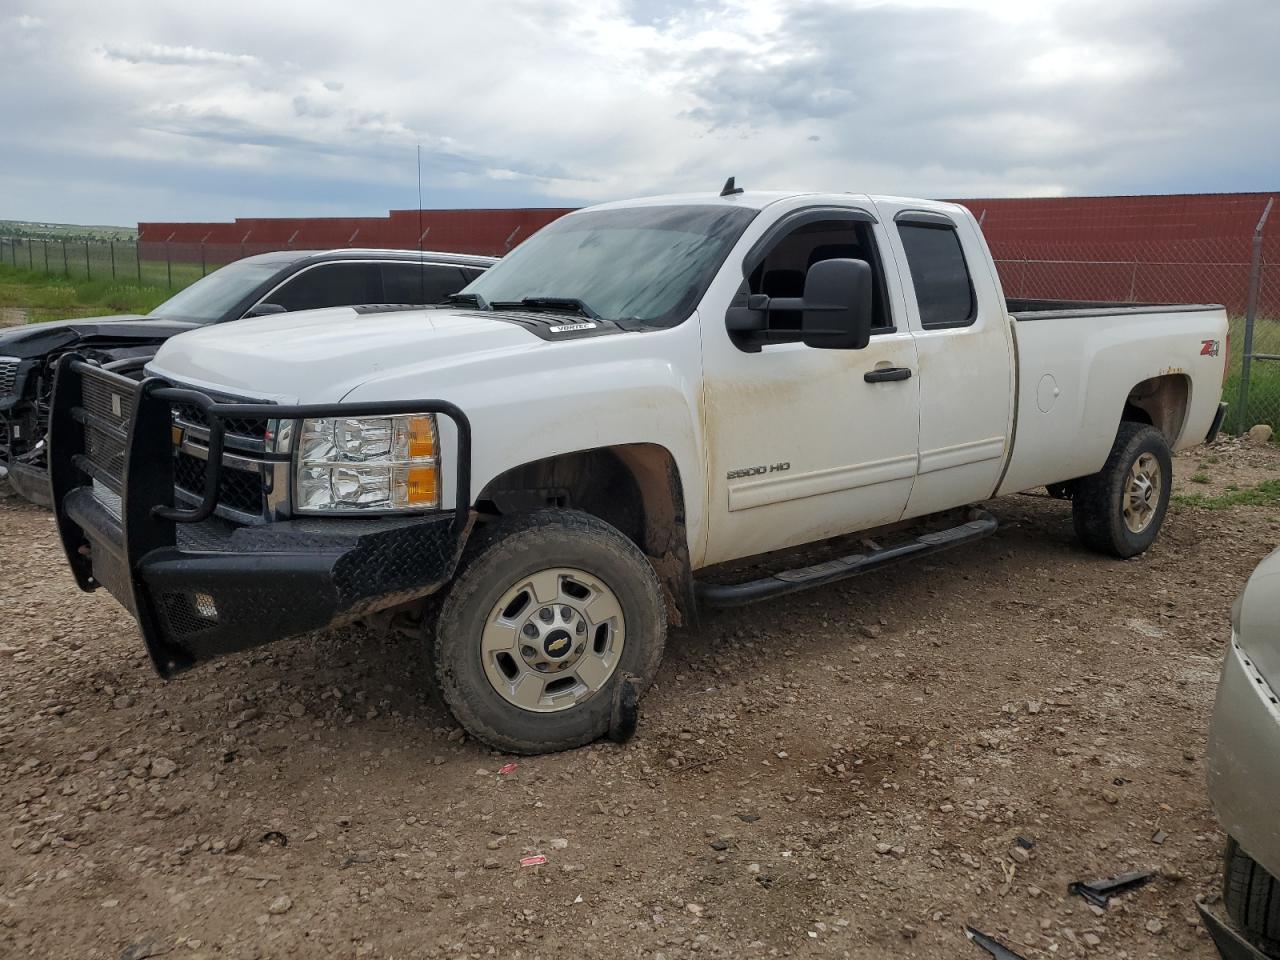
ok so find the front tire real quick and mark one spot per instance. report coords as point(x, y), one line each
point(547, 613)
point(1119, 510)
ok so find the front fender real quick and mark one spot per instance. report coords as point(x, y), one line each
point(624, 389)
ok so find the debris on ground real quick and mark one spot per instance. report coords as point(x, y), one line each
point(144, 950)
point(1100, 892)
point(991, 945)
point(1230, 944)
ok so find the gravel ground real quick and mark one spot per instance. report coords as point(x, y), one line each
point(842, 773)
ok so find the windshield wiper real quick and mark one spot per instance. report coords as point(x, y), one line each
point(471, 299)
point(548, 303)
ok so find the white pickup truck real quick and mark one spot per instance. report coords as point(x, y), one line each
point(539, 477)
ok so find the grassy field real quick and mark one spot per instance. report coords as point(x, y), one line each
point(57, 298)
point(1264, 494)
point(76, 260)
point(1264, 377)
point(65, 231)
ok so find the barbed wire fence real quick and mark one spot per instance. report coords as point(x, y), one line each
point(1240, 272)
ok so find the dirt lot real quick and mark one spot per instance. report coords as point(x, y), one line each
point(843, 773)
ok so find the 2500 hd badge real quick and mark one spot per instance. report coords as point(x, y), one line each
point(757, 471)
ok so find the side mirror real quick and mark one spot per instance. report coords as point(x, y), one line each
point(836, 311)
point(837, 305)
point(265, 310)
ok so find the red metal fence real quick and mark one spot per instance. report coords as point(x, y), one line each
point(1172, 249)
point(491, 232)
point(1189, 247)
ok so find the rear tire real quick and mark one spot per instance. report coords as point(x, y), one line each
point(1252, 898)
point(546, 615)
point(1119, 510)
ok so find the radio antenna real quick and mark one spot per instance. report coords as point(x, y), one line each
point(422, 270)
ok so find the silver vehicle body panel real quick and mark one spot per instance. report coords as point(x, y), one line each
point(1244, 739)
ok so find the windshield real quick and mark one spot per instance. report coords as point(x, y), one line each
point(209, 298)
point(634, 265)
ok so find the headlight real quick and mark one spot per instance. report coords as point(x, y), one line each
point(367, 463)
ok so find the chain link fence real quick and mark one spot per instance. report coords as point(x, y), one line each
point(168, 266)
point(1241, 272)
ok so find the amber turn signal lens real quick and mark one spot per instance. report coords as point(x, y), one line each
point(422, 438)
point(422, 487)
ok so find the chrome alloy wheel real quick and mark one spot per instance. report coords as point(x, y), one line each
point(552, 640)
point(1142, 493)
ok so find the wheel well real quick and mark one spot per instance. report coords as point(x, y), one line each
point(1161, 402)
point(635, 487)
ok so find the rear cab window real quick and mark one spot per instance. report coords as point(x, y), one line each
point(939, 272)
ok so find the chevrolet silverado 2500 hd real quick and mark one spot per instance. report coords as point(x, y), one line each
point(266, 283)
point(640, 393)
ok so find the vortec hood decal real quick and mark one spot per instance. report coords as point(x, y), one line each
point(556, 327)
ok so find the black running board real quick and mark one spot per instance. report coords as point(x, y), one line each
point(980, 524)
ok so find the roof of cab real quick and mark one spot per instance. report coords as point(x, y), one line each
point(759, 199)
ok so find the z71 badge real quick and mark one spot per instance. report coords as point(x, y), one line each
point(1209, 348)
point(757, 471)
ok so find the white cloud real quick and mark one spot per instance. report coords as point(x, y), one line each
point(159, 53)
point(240, 107)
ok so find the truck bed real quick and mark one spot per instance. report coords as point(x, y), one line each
point(1077, 369)
point(1027, 310)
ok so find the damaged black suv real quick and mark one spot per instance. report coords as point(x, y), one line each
point(256, 286)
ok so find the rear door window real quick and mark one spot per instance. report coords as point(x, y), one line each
point(944, 290)
point(420, 283)
point(330, 285)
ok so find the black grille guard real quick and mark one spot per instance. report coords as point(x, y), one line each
point(122, 439)
point(153, 397)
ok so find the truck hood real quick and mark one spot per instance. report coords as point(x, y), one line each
point(36, 340)
point(320, 356)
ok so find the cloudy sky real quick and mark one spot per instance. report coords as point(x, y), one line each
point(119, 111)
